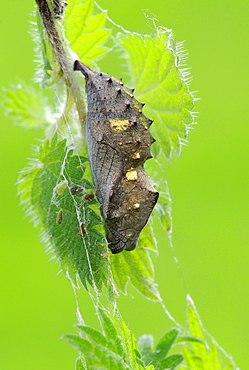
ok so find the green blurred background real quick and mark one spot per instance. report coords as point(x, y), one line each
point(209, 186)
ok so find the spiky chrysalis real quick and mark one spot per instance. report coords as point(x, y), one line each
point(118, 139)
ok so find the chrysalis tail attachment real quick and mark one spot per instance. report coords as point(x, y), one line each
point(118, 145)
point(78, 66)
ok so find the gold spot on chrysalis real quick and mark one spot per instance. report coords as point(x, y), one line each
point(135, 155)
point(136, 205)
point(131, 175)
point(119, 125)
point(143, 120)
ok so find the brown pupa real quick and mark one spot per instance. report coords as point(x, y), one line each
point(118, 145)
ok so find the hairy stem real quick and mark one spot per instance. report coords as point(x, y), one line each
point(61, 56)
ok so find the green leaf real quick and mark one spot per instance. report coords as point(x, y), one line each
point(164, 345)
point(133, 356)
point(147, 238)
point(136, 267)
point(93, 334)
point(115, 348)
point(73, 237)
point(117, 331)
point(110, 359)
point(27, 107)
point(86, 31)
point(97, 355)
point(109, 327)
point(146, 343)
point(230, 366)
point(82, 345)
point(170, 362)
point(213, 357)
point(163, 89)
point(183, 339)
point(79, 365)
point(193, 361)
point(195, 325)
point(202, 352)
point(163, 209)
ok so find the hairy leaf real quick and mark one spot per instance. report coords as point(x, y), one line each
point(164, 345)
point(203, 354)
point(86, 31)
point(146, 343)
point(27, 106)
point(79, 365)
point(157, 358)
point(147, 238)
point(69, 223)
point(167, 98)
point(137, 267)
point(95, 335)
point(163, 89)
point(115, 348)
point(170, 362)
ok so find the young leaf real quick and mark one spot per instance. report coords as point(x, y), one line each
point(195, 325)
point(79, 365)
point(86, 31)
point(81, 344)
point(97, 355)
point(157, 357)
point(163, 89)
point(133, 356)
point(193, 361)
point(68, 222)
point(147, 238)
point(27, 107)
point(163, 209)
point(136, 267)
point(183, 339)
point(230, 366)
point(170, 362)
point(200, 354)
point(125, 339)
point(146, 343)
point(113, 349)
point(164, 346)
point(93, 334)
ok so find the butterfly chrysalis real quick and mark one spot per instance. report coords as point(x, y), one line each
point(118, 145)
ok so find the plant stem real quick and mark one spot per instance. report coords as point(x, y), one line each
point(60, 55)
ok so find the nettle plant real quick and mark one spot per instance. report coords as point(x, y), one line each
point(57, 191)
